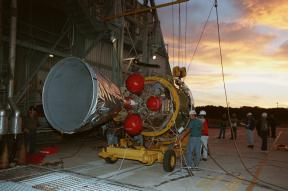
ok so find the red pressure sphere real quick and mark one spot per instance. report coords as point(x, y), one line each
point(154, 103)
point(135, 83)
point(133, 124)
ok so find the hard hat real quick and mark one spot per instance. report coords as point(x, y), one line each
point(249, 114)
point(202, 112)
point(264, 114)
point(192, 112)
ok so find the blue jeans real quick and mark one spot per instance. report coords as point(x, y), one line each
point(112, 139)
point(250, 137)
point(222, 132)
point(193, 147)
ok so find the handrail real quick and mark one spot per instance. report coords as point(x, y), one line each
point(14, 108)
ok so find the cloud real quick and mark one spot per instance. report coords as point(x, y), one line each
point(254, 49)
point(265, 12)
point(283, 50)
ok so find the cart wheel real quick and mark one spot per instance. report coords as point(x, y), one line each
point(169, 161)
point(110, 161)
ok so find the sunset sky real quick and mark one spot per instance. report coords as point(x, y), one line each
point(254, 38)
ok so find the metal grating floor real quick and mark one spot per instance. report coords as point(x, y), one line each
point(22, 172)
point(49, 180)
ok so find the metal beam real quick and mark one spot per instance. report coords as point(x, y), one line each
point(93, 44)
point(143, 10)
point(38, 67)
point(37, 48)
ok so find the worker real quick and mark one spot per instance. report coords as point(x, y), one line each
point(223, 126)
point(263, 130)
point(112, 131)
point(234, 124)
point(273, 125)
point(193, 153)
point(30, 129)
point(250, 126)
point(204, 135)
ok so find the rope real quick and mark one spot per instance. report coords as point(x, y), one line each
point(243, 179)
point(172, 33)
point(185, 39)
point(182, 157)
point(179, 33)
point(217, 163)
point(227, 106)
point(126, 148)
point(200, 38)
point(132, 43)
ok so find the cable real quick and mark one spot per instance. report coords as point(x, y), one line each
point(75, 153)
point(190, 171)
point(172, 33)
point(185, 39)
point(133, 45)
point(198, 42)
point(126, 148)
point(227, 106)
point(243, 179)
point(179, 33)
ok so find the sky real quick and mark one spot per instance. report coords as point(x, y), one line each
point(254, 41)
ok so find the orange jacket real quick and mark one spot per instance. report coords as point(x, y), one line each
point(205, 128)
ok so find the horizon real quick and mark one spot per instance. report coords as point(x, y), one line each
point(254, 48)
point(242, 107)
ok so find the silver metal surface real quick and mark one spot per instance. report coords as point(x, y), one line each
point(12, 49)
point(14, 186)
point(3, 122)
point(66, 182)
point(16, 121)
point(37, 178)
point(76, 97)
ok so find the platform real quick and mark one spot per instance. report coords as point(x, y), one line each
point(84, 170)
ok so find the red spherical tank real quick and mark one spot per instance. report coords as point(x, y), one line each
point(135, 83)
point(133, 124)
point(154, 103)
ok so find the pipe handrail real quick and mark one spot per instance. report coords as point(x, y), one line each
point(16, 111)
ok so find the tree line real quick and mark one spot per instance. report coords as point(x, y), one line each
point(216, 112)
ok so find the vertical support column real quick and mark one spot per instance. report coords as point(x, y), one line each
point(145, 49)
point(1, 38)
point(12, 52)
point(117, 39)
point(2, 75)
point(120, 51)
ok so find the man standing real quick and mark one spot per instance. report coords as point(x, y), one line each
point(223, 126)
point(234, 124)
point(30, 128)
point(204, 136)
point(273, 125)
point(194, 145)
point(250, 126)
point(263, 130)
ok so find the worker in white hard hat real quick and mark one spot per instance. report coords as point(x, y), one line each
point(194, 144)
point(234, 124)
point(250, 126)
point(204, 135)
point(263, 128)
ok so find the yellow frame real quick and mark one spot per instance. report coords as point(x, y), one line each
point(176, 101)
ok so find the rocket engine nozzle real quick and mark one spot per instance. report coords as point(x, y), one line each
point(76, 95)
